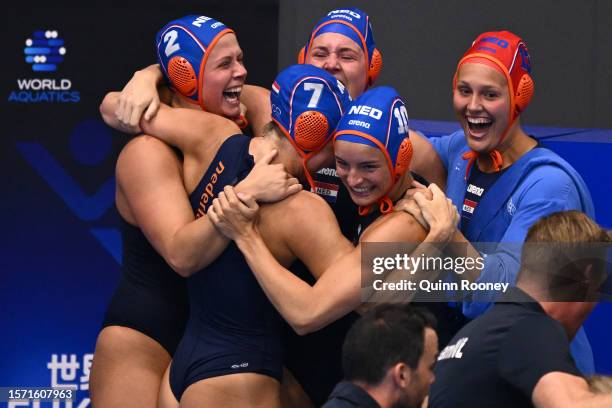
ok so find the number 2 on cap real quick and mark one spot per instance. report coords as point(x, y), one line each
point(172, 46)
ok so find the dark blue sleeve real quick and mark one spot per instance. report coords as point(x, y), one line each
point(534, 347)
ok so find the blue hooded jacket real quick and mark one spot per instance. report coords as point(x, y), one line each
point(536, 185)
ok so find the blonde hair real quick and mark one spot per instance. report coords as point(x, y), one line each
point(559, 250)
point(567, 227)
point(600, 384)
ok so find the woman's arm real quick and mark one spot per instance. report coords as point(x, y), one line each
point(139, 100)
point(425, 160)
point(199, 134)
point(306, 308)
point(319, 244)
point(439, 216)
point(155, 192)
point(257, 101)
point(150, 189)
point(149, 182)
point(558, 389)
point(187, 129)
point(315, 235)
point(140, 95)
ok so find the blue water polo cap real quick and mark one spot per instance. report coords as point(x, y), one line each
point(354, 24)
point(307, 103)
point(183, 46)
point(378, 118)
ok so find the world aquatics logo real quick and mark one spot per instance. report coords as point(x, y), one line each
point(44, 51)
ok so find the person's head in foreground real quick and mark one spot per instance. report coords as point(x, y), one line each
point(342, 43)
point(492, 86)
point(389, 354)
point(373, 150)
point(517, 354)
point(564, 265)
point(202, 61)
point(600, 384)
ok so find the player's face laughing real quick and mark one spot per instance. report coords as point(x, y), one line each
point(364, 171)
point(481, 102)
point(224, 75)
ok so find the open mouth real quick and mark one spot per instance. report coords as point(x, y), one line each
point(479, 125)
point(232, 95)
point(360, 191)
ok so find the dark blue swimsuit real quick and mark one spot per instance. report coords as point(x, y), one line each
point(232, 328)
point(150, 298)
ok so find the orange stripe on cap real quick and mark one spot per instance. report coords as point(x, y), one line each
point(364, 46)
point(207, 51)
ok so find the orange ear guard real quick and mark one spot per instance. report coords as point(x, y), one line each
point(403, 159)
point(373, 62)
point(524, 92)
point(182, 75)
point(311, 130)
point(301, 59)
point(520, 94)
point(375, 67)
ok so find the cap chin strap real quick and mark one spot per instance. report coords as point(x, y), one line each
point(305, 157)
point(242, 122)
point(308, 156)
point(385, 205)
point(311, 183)
point(471, 156)
point(202, 106)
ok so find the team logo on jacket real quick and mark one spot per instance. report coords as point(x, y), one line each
point(510, 207)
